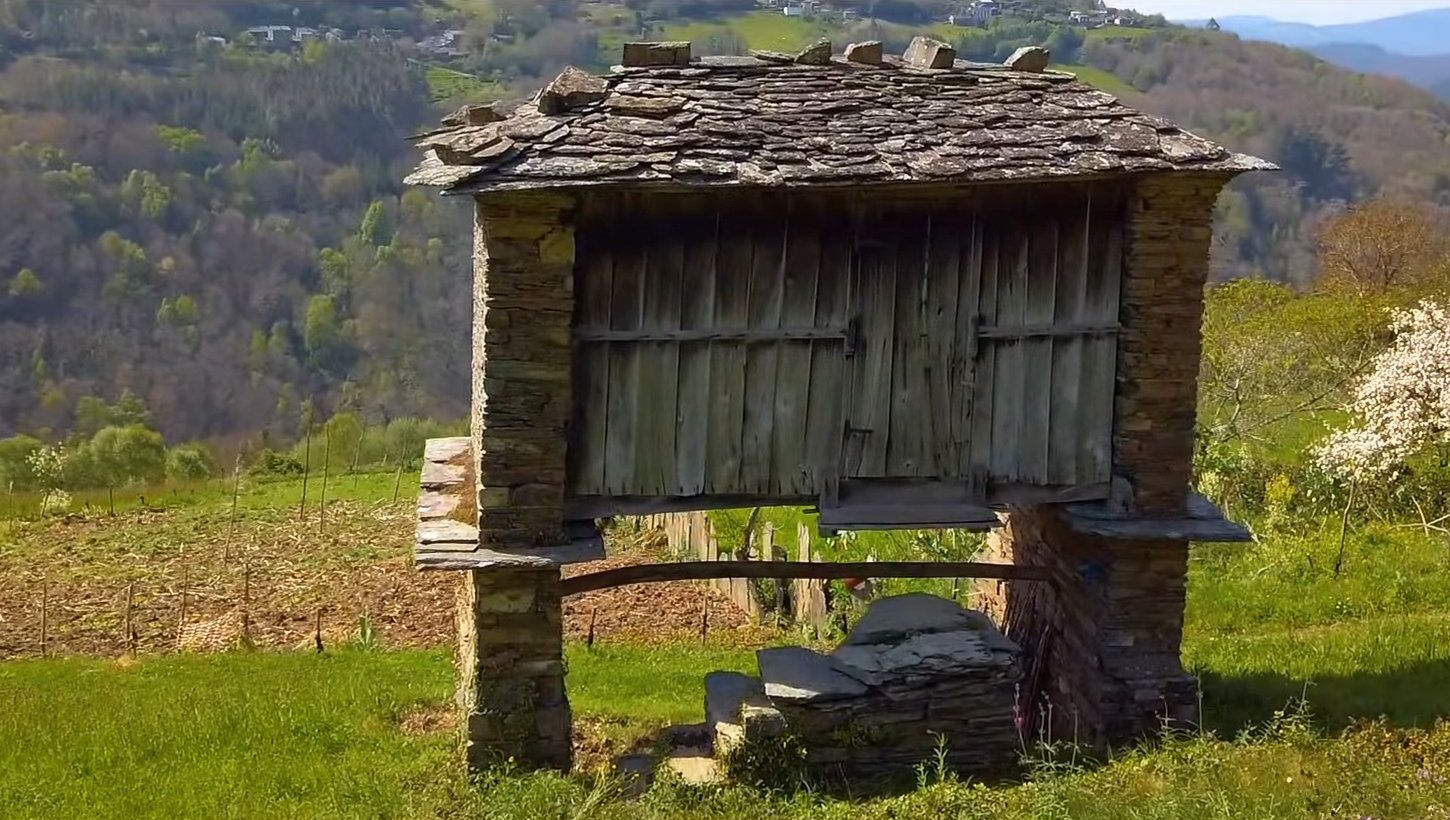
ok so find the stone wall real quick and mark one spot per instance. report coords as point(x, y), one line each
point(511, 668)
point(1170, 229)
point(523, 308)
point(1103, 640)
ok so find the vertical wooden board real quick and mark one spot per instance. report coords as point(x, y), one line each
point(588, 431)
point(1099, 382)
point(945, 239)
point(769, 236)
point(962, 375)
point(908, 449)
point(873, 309)
point(984, 380)
point(1037, 373)
point(790, 462)
point(1067, 353)
point(726, 419)
point(828, 390)
point(625, 313)
point(660, 361)
point(1007, 388)
point(698, 313)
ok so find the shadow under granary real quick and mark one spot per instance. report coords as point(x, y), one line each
point(912, 292)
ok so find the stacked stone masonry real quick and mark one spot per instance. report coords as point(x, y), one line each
point(523, 307)
point(1169, 233)
point(1104, 635)
point(918, 675)
point(511, 669)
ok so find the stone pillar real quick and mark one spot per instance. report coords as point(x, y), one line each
point(1170, 229)
point(1109, 632)
point(523, 308)
point(511, 668)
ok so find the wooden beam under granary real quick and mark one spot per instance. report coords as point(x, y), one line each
point(912, 292)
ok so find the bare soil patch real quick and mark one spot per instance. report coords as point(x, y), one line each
point(272, 578)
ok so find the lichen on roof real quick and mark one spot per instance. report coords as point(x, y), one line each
point(771, 121)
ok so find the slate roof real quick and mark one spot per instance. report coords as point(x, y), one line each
point(753, 122)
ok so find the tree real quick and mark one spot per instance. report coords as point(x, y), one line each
point(127, 455)
point(1402, 408)
point(26, 284)
point(1382, 246)
point(376, 228)
point(16, 469)
point(190, 462)
point(322, 334)
point(1318, 162)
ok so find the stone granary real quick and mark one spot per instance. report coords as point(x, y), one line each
point(911, 292)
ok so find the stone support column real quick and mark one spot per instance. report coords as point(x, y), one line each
point(523, 309)
point(511, 668)
point(1170, 229)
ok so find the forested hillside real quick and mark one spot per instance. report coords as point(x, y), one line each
point(219, 228)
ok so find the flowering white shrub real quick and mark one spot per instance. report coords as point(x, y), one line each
point(1403, 406)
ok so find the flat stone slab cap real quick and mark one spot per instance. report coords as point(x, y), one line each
point(1029, 58)
point(794, 673)
point(657, 54)
point(867, 53)
point(818, 53)
point(1202, 521)
point(725, 693)
point(925, 52)
point(571, 89)
point(890, 620)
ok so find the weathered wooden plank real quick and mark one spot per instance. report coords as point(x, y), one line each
point(626, 313)
point(791, 465)
point(962, 373)
point(726, 419)
point(868, 423)
point(1099, 381)
point(834, 333)
point(945, 237)
point(659, 380)
point(828, 388)
point(704, 570)
point(692, 431)
point(1056, 330)
point(769, 235)
point(984, 379)
point(587, 451)
point(1007, 389)
point(909, 448)
point(1067, 353)
point(1037, 373)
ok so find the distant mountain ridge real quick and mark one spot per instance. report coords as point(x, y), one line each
point(1421, 33)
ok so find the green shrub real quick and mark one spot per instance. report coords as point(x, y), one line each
point(272, 463)
point(190, 462)
point(15, 467)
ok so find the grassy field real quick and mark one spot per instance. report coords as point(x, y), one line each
point(365, 729)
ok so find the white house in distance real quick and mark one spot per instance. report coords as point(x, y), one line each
point(983, 11)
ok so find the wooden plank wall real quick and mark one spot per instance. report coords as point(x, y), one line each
point(711, 333)
point(768, 346)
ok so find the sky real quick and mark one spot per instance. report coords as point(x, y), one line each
point(1318, 12)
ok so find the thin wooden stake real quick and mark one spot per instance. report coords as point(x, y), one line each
point(326, 458)
point(232, 518)
point(704, 619)
point(317, 631)
point(247, 604)
point(44, 618)
point(10, 500)
point(306, 468)
point(593, 613)
point(181, 617)
point(111, 499)
point(130, 620)
point(398, 481)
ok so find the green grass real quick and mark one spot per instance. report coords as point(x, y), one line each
point(1098, 78)
point(448, 86)
point(1120, 33)
point(300, 735)
point(768, 30)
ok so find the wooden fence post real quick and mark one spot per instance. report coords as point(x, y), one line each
point(44, 617)
point(130, 623)
point(326, 459)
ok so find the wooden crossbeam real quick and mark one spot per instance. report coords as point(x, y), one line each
point(704, 570)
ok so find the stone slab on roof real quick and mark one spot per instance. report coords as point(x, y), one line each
point(743, 121)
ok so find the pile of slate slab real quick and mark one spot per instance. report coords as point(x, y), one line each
point(918, 677)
